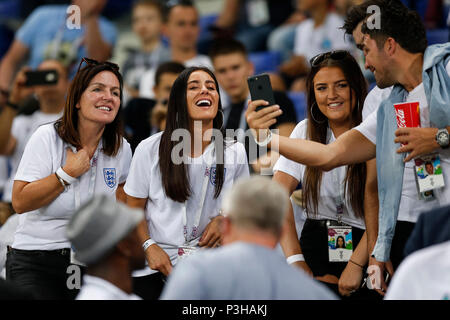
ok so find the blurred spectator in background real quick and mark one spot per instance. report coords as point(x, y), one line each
point(424, 275)
point(282, 38)
point(104, 236)
point(147, 19)
point(251, 21)
point(15, 130)
point(342, 6)
point(320, 33)
point(143, 116)
point(49, 33)
point(232, 68)
point(182, 29)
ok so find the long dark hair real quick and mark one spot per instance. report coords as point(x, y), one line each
point(317, 131)
point(175, 179)
point(67, 126)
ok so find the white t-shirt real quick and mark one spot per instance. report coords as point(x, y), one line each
point(424, 275)
point(45, 152)
point(95, 288)
point(22, 129)
point(310, 41)
point(326, 208)
point(148, 78)
point(410, 204)
point(164, 216)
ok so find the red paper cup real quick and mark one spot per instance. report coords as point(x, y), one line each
point(408, 115)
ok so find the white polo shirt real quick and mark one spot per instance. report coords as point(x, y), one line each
point(45, 152)
point(165, 216)
point(326, 208)
point(22, 128)
point(410, 204)
point(423, 275)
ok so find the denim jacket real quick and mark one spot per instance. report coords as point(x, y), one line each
point(390, 165)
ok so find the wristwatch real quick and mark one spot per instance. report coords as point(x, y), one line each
point(443, 138)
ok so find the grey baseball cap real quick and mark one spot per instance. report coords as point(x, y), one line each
point(98, 225)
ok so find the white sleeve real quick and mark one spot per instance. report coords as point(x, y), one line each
point(36, 162)
point(369, 127)
point(138, 181)
point(373, 100)
point(125, 161)
point(290, 167)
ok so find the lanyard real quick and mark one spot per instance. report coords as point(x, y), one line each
point(198, 214)
point(340, 185)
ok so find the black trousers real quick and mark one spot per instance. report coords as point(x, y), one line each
point(149, 287)
point(41, 273)
point(314, 244)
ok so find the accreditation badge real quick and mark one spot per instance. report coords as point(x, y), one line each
point(340, 243)
point(185, 251)
point(428, 172)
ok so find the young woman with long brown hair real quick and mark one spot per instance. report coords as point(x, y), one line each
point(333, 201)
point(181, 188)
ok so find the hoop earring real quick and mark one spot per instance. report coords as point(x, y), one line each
point(312, 114)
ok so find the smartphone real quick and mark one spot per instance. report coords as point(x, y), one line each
point(41, 77)
point(367, 283)
point(261, 89)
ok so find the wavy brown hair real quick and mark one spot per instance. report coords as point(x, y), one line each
point(317, 131)
point(67, 126)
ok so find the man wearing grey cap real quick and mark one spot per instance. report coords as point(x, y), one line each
point(247, 266)
point(104, 237)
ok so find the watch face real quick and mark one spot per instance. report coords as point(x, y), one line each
point(443, 138)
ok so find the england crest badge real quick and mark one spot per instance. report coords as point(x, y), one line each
point(212, 175)
point(109, 174)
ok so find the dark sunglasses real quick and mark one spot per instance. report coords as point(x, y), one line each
point(321, 57)
point(92, 62)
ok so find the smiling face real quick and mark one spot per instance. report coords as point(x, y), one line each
point(377, 60)
point(202, 97)
point(429, 167)
point(100, 101)
point(332, 93)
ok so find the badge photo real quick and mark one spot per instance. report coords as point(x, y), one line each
point(340, 243)
point(429, 173)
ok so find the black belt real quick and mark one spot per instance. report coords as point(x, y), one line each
point(63, 252)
